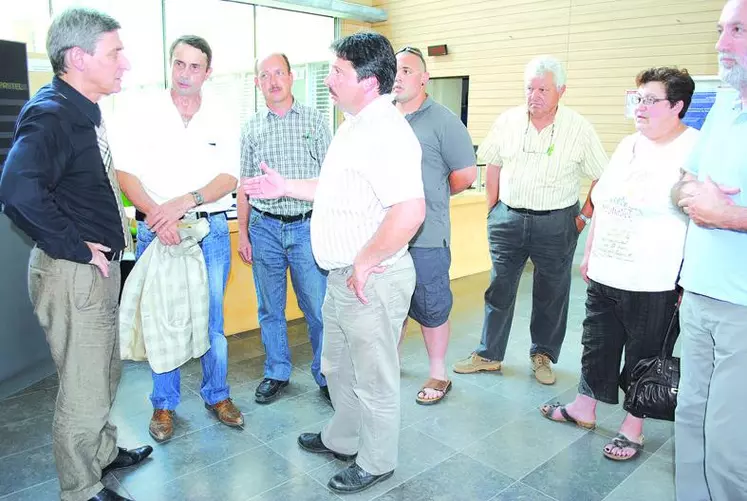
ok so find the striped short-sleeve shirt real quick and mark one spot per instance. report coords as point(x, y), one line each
point(294, 145)
point(542, 170)
point(372, 164)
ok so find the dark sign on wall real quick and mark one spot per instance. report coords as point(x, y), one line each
point(14, 91)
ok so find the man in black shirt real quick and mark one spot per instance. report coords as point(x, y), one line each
point(60, 188)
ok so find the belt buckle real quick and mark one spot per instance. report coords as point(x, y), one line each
point(190, 216)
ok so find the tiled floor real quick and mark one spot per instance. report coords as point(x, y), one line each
point(486, 441)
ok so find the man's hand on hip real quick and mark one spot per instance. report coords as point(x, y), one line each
point(358, 278)
point(98, 259)
point(269, 185)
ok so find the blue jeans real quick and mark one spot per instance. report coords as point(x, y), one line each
point(549, 240)
point(216, 247)
point(275, 247)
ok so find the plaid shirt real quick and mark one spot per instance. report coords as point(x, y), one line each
point(294, 145)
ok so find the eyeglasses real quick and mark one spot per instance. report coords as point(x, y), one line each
point(646, 100)
point(412, 50)
point(549, 149)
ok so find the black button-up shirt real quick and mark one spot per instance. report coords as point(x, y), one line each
point(54, 185)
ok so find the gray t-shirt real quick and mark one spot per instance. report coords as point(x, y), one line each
point(447, 147)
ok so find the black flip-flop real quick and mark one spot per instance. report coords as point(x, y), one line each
point(548, 410)
point(623, 442)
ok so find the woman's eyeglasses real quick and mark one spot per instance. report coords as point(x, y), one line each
point(645, 100)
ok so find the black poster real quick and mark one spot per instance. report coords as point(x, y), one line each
point(14, 91)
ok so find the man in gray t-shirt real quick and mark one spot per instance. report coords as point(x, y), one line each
point(448, 168)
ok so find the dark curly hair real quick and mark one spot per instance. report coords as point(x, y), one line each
point(677, 82)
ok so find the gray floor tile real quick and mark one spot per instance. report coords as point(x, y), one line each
point(521, 492)
point(581, 473)
point(666, 451)
point(287, 446)
point(417, 453)
point(20, 436)
point(237, 478)
point(273, 421)
point(185, 455)
point(48, 383)
point(301, 487)
point(485, 412)
point(27, 405)
point(524, 444)
point(655, 477)
point(50, 491)
point(459, 478)
point(27, 469)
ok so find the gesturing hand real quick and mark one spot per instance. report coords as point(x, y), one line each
point(98, 259)
point(358, 278)
point(269, 185)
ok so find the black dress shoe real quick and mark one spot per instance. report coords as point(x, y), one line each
point(355, 479)
point(268, 390)
point(312, 442)
point(127, 458)
point(107, 495)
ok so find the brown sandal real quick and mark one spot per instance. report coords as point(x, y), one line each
point(433, 384)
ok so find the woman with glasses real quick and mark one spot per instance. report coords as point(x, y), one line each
point(633, 255)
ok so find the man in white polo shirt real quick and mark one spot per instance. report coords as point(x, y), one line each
point(368, 204)
point(180, 160)
point(536, 155)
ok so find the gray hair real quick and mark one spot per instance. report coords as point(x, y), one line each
point(542, 65)
point(76, 27)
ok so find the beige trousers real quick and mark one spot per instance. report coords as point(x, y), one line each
point(361, 364)
point(77, 308)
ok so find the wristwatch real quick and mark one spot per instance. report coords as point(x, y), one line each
point(583, 217)
point(198, 198)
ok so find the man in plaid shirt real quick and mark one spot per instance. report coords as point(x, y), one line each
point(274, 234)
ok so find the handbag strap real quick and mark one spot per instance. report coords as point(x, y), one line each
point(673, 333)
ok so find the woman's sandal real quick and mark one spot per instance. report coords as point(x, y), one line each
point(622, 442)
point(433, 384)
point(549, 409)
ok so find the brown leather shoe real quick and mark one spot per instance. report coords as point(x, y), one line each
point(161, 424)
point(227, 413)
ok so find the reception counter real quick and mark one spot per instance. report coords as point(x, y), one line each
point(469, 255)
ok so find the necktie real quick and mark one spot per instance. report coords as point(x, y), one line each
point(106, 156)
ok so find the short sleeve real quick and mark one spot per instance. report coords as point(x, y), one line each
point(595, 158)
point(490, 148)
point(399, 176)
point(456, 145)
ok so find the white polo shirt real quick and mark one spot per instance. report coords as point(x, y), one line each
point(149, 141)
point(372, 164)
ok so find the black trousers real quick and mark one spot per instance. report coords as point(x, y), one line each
point(618, 320)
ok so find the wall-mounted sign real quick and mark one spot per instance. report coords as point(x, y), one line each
point(14, 91)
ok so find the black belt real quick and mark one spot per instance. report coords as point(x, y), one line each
point(285, 219)
point(140, 216)
point(114, 255)
point(533, 212)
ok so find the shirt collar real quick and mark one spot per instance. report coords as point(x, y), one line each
point(424, 105)
point(85, 105)
point(371, 108)
point(295, 108)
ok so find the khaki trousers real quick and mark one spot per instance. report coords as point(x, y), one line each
point(361, 364)
point(77, 308)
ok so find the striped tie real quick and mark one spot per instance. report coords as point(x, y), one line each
point(106, 157)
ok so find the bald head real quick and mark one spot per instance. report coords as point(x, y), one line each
point(274, 78)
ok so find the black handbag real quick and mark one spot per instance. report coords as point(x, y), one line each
point(654, 382)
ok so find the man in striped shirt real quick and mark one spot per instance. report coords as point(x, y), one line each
point(368, 204)
point(536, 155)
point(274, 234)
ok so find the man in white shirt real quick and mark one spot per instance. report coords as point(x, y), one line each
point(536, 155)
point(180, 162)
point(368, 204)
